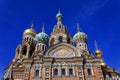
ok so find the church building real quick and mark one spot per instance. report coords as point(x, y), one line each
point(57, 57)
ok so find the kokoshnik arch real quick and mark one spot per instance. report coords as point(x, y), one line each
point(58, 57)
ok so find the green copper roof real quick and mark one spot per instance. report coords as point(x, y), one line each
point(80, 37)
point(42, 37)
point(59, 15)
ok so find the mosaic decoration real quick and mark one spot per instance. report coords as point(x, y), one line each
point(63, 53)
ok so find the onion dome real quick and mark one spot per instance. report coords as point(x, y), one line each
point(98, 53)
point(80, 36)
point(42, 37)
point(103, 64)
point(59, 15)
point(30, 31)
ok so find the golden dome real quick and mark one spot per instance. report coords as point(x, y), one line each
point(29, 31)
point(103, 64)
point(98, 53)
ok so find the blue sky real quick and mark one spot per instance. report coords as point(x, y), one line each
point(99, 19)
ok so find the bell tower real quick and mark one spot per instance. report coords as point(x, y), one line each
point(60, 33)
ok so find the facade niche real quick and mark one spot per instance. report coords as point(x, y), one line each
point(63, 71)
point(55, 71)
point(24, 50)
point(89, 72)
point(37, 73)
point(60, 39)
point(70, 72)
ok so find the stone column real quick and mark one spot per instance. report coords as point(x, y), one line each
point(40, 70)
point(67, 72)
point(55, 41)
point(73, 70)
point(92, 70)
point(28, 50)
point(59, 70)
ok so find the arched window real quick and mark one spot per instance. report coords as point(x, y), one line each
point(89, 71)
point(59, 26)
point(27, 38)
point(80, 45)
point(43, 47)
point(37, 73)
point(37, 47)
point(55, 71)
point(63, 71)
point(24, 50)
point(70, 71)
point(30, 39)
point(68, 40)
point(60, 39)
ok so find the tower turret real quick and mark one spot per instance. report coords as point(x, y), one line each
point(29, 34)
point(42, 37)
point(25, 49)
point(60, 33)
point(41, 40)
point(80, 39)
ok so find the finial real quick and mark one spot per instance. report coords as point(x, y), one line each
point(78, 27)
point(43, 28)
point(96, 46)
point(59, 10)
point(32, 26)
point(59, 17)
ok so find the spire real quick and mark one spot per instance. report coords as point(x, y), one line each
point(59, 16)
point(78, 27)
point(30, 30)
point(32, 26)
point(98, 53)
point(59, 10)
point(96, 46)
point(43, 28)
